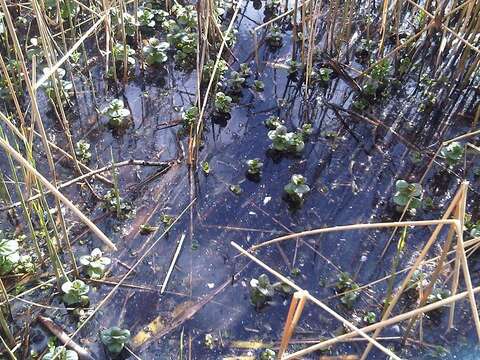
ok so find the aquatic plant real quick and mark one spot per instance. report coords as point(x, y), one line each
point(274, 37)
point(146, 18)
point(261, 291)
point(254, 167)
point(268, 354)
point(155, 52)
point(258, 86)
point(95, 263)
point(146, 229)
point(322, 75)
point(223, 103)
point(60, 353)
point(406, 192)
point(273, 122)
point(306, 130)
point(236, 82)
point(113, 202)
point(167, 219)
point(235, 188)
point(207, 72)
point(9, 255)
point(190, 117)
point(452, 153)
point(245, 70)
point(118, 54)
point(296, 189)
point(346, 284)
point(117, 113)
point(82, 151)
point(437, 295)
point(370, 318)
point(285, 141)
point(205, 167)
point(65, 87)
point(294, 67)
point(209, 341)
point(75, 293)
point(114, 339)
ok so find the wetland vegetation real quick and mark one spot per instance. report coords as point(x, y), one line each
point(239, 179)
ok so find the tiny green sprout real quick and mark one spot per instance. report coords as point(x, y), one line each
point(274, 37)
point(437, 295)
point(167, 220)
point(324, 74)
point(9, 255)
point(146, 17)
point(272, 5)
point(296, 272)
point(155, 52)
point(206, 167)
point(268, 354)
point(117, 113)
point(96, 263)
point(345, 284)
point(235, 188)
point(75, 293)
point(245, 70)
point(285, 141)
point(307, 130)
point(296, 189)
point(209, 341)
point(223, 103)
point(60, 353)
point(406, 192)
point(236, 82)
point(294, 67)
point(452, 153)
point(146, 229)
point(190, 117)
point(261, 291)
point(82, 151)
point(258, 86)
point(114, 339)
point(65, 86)
point(114, 203)
point(254, 167)
point(416, 157)
point(475, 231)
point(273, 122)
point(370, 317)
point(207, 73)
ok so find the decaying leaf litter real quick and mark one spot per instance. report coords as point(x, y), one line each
point(216, 127)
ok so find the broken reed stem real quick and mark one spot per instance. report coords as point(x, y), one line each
point(313, 299)
point(294, 313)
point(355, 227)
point(382, 324)
point(88, 175)
point(418, 260)
point(172, 264)
point(15, 155)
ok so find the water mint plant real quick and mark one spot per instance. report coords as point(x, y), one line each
point(406, 192)
point(296, 189)
point(223, 103)
point(114, 339)
point(155, 52)
point(95, 263)
point(75, 293)
point(452, 153)
point(285, 141)
point(60, 353)
point(82, 151)
point(261, 291)
point(254, 169)
point(117, 113)
point(9, 255)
